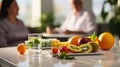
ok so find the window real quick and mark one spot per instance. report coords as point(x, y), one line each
point(61, 9)
point(30, 12)
point(97, 7)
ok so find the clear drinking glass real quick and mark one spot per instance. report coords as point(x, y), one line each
point(116, 44)
point(34, 43)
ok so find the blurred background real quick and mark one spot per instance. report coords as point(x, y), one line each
point(37, 14)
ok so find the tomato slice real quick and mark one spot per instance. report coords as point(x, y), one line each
point(64, 49)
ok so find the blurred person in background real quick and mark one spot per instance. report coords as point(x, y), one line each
point(79, 21)
point(12, 30)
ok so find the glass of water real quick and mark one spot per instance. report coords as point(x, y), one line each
point(34, 43)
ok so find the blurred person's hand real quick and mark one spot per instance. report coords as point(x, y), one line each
point(50, 30)
point(67, 32)
point(73, 32)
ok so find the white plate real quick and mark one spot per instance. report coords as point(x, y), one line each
point(81, 54)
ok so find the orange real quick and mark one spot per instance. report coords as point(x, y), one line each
point(74, 40)
point(106, 40)
point(21, 48)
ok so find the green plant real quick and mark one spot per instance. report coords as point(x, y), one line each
point(47, 19)
point(103, 12)
point(114, 22)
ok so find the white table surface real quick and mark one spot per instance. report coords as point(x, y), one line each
point(10, 56)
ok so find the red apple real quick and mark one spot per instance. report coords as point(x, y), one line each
point(83, 40)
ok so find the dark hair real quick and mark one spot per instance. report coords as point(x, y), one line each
point(4, 6)
point(78, 3)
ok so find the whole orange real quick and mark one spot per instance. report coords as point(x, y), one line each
point(21, 48)
point(106, 40)
point(74, 39)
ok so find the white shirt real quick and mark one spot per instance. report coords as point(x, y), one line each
point(84, 21)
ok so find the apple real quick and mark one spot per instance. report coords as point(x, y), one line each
point(83, 40)
point(64, 49)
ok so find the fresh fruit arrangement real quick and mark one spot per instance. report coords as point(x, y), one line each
point(88, 44)
point(75, 44)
